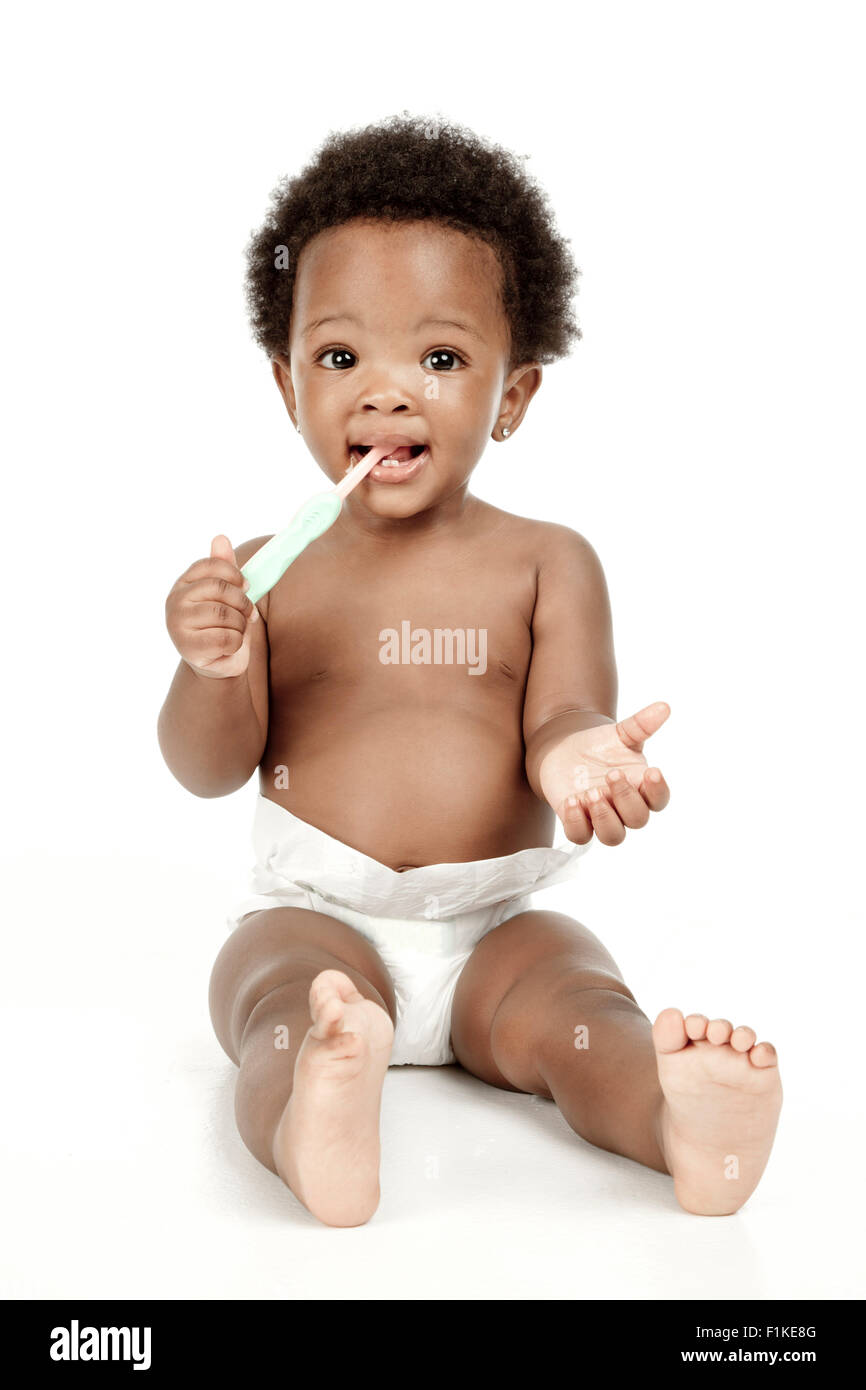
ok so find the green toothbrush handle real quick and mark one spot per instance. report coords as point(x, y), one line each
point(271, 562)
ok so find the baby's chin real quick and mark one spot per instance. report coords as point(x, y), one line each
point(411, 499)
point(389, 502)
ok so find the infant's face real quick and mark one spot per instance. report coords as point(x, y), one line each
point(376, 368)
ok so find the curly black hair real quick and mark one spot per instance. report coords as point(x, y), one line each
point(418, 168)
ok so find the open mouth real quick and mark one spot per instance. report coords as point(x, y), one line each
point(401, 454)
point(402, 464)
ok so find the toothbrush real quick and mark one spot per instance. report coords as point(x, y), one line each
point(312, 519)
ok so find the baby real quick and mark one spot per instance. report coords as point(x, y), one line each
point(427, 692)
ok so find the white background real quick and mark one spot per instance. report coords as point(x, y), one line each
point(706, 436)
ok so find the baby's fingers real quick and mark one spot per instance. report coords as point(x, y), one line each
point(656, 793)
point(213, 614)
point(212, 591)
point(606, 823)
point(575, 823)
point(213, 568)
point(628, 802)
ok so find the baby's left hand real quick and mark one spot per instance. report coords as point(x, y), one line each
point(598, 780)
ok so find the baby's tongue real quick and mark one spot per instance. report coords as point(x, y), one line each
point(402, 455)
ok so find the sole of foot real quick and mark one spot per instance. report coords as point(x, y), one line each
point(326, 1146)
point(721, 1101)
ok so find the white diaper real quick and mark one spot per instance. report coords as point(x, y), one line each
point(424, 922)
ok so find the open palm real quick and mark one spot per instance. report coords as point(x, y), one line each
point(598, 781)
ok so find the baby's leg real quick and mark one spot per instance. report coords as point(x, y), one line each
point(304, 1006)
point(541, 1007)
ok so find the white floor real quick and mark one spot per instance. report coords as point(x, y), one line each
point(123, 1174)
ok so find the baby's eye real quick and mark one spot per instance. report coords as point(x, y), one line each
point(442, 354)
point(443, 357)
point(338, 352)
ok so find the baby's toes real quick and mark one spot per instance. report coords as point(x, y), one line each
point(742, 1038)
point(333, 984)
point(719, 1031)
point(696, 1026)
point(763, 1054)
point(329, 993)
point(669, 1034)
point(326, 1014)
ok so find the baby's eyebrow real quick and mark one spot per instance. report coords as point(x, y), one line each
point(449, 323)
point(422, 323)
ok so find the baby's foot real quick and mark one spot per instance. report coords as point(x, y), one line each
point(722, 1097)
point(326, 1146)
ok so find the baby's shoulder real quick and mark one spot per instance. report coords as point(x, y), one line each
point(545, 541)
point(246, 549)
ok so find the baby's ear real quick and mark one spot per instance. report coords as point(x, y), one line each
point(280, 366)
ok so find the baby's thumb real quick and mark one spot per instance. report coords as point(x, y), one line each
point(221, 549)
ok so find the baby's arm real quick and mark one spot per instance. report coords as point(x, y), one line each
point(212, 729)
point(585, 763)
point(572, 681)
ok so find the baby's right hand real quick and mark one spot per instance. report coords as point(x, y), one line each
point(208, 615)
